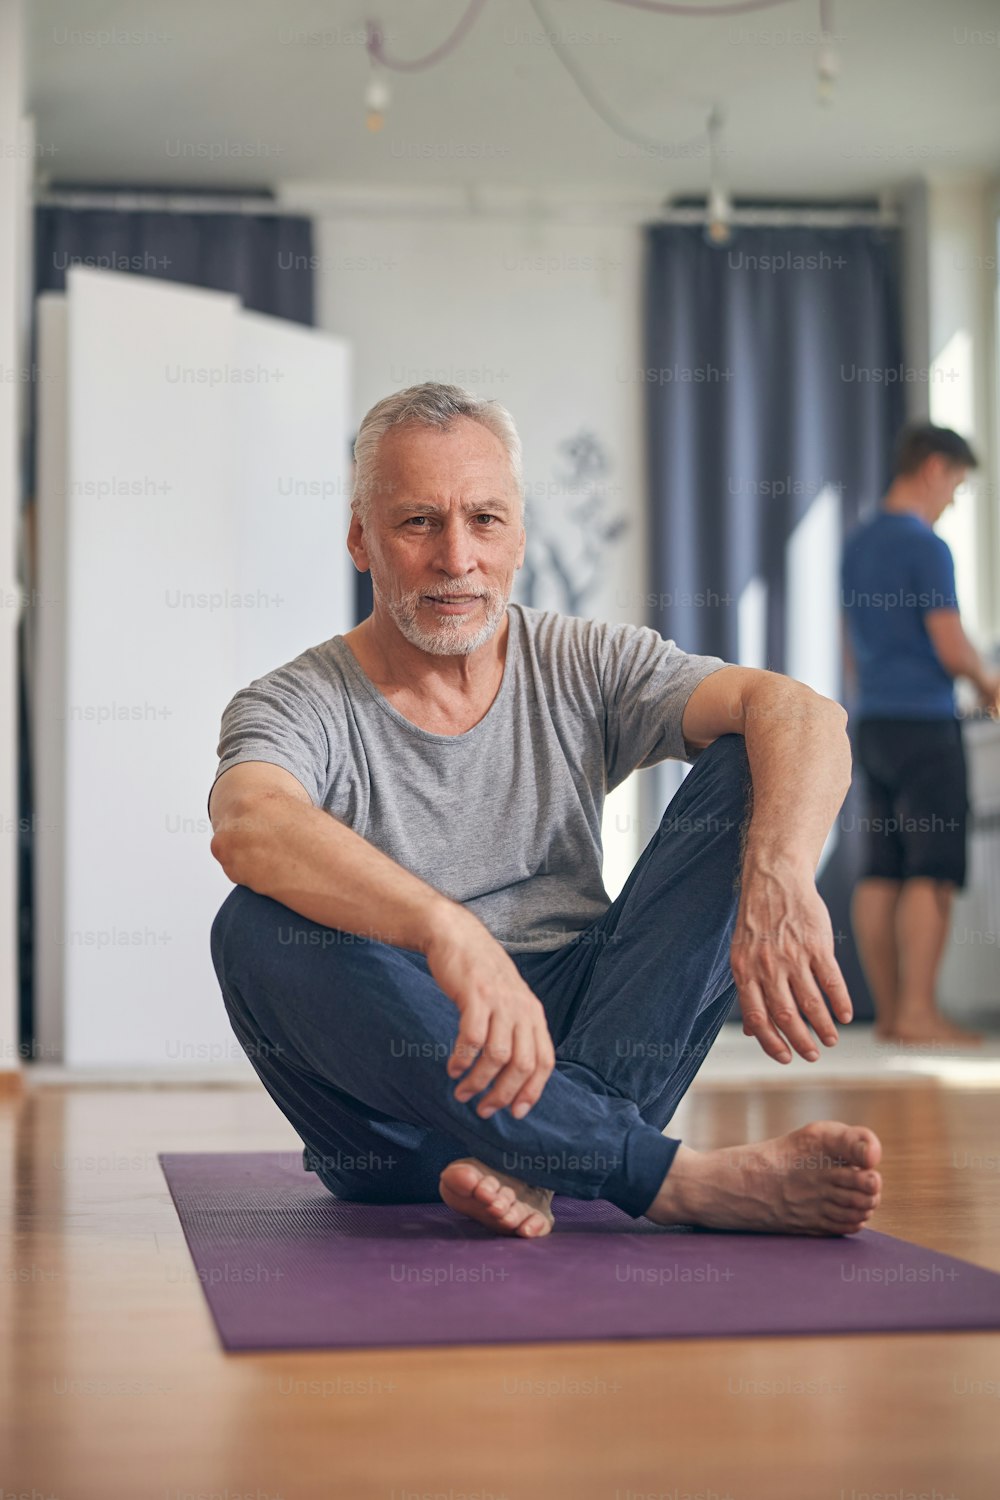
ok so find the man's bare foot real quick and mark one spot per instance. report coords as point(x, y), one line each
point(818, 1180)
point(495, 1199)
point(932, 1027)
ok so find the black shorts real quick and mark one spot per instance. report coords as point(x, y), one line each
point(916, 798)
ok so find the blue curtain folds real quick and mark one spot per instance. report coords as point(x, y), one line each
point(773, 372)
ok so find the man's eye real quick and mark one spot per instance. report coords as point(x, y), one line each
point(415, 518)
point(486, 517)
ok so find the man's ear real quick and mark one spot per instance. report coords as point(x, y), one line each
point(356, 545)
point(934, 469)
point(520, 550)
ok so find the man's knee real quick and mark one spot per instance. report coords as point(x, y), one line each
point(715, 798)
point(242, 922)
point(254, 934)
point(728, 751)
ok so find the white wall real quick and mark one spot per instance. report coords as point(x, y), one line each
point(544, 317)
point(951, 332)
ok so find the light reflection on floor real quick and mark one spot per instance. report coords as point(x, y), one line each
point(857, 1055)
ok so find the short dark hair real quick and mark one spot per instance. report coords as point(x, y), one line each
point(919, 440)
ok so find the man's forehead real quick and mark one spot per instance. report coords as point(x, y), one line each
point(424, 503)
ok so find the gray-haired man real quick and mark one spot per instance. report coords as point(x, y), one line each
point(420, 958)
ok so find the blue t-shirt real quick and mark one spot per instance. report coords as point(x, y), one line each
point(895, 569)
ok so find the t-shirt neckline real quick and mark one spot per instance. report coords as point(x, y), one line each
point(360, 676)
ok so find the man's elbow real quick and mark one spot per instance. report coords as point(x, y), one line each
point(226, 849)
point(231, 843)
point(837, 712)
point(838, 717)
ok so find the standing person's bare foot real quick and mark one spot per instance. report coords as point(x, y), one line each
point(818, 1180)
point(932, 1026)
point(493, 1198)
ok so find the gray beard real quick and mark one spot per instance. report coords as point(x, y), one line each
point(453, 636)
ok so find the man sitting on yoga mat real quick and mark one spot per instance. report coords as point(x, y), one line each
point(419, 956)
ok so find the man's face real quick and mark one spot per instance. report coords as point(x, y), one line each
point(443, 538)
point(943, 479)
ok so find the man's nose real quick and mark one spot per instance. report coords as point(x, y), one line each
point(455, 552)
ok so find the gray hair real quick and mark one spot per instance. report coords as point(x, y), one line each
point(428, 405)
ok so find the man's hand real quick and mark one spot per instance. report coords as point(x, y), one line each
point(782, 958)
point(502, 1021)
point(988, 688)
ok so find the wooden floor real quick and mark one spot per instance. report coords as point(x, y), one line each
point(114, 1384)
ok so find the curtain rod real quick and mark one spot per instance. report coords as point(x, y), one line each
point(816, 218)
point(782, 218)
point(165, 202)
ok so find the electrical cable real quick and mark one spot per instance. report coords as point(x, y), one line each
point(374, 43)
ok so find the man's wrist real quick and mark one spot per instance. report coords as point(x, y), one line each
point(778, 859)
point(443, 918)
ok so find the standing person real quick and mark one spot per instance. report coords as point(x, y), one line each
point(906, 637)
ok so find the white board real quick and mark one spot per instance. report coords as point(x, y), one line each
point(187, 573)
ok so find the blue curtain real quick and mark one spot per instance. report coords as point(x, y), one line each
point(266, 259)
point(772, 370)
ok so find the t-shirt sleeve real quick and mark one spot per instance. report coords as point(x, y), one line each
point(934, 575)
point(647, 683)
point(275, 720)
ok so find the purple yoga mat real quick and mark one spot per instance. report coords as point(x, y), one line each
point(285, 1265)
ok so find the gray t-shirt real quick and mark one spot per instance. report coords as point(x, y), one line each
point(505, 818)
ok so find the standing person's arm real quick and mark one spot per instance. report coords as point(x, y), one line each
point(933, 574)
point(959, 657)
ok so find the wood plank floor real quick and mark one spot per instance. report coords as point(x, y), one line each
point(114, 1385)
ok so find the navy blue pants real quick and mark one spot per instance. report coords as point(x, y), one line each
point(350, 1036)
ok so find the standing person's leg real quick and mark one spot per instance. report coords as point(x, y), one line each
point(873, 902)
point(873, 920)
point(923, 922)
point(932, 803)
point(351, 1036)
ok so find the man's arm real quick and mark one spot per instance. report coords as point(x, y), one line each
point(782, 954)
point(269, 836)
point(959, 657)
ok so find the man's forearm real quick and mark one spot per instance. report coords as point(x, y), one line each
point(313, 864)
point(968, 663)
point(800, 763)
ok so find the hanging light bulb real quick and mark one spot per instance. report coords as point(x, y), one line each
point(718, 227)
point(377, 100)
point(718, 208)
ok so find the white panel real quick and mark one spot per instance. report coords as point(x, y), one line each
point(752, 624)
point(296, 574)
point(151, 431)
point(47, 694)
point(812, 608)
point(175, 537)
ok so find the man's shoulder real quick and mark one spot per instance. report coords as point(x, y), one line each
point(314, 669)
point(554, 635)
point(551, 620)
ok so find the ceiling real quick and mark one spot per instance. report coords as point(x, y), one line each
point(252, 93)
